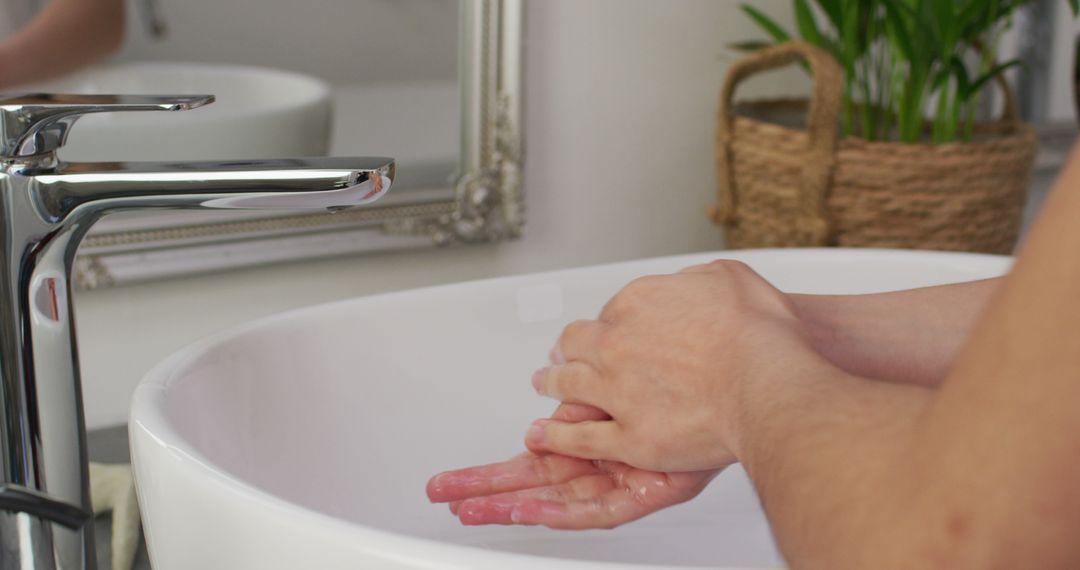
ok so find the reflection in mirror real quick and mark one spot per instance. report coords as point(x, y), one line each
point(337, 77)
point(390, 65)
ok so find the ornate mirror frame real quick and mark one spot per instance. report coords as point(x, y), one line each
point(485, 202)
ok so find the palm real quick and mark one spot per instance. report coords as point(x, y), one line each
point(562, 492)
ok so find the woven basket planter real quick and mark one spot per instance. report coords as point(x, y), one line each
point(783, 185)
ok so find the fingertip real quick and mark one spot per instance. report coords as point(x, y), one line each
point(534, 437)
point(556, 356)
point(455, 506)
point(534, 449)
point(468, 514)
point(538, 380)
point(453, 485)
point(434, 489)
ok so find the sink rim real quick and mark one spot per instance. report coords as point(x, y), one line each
point(309, 90)
point(150, 394)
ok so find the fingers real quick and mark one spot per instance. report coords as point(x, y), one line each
point(522, 472)
point(575, 413)
point(608, 510)
point(499, 509)
point(602, 506)
point(579, 413)
point(574, 382)
point(585, 440)
point(525, 471)
point(556, 356)
point(616, 495)
point(578, 341)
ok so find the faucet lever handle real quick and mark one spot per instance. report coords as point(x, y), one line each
point(38, 123)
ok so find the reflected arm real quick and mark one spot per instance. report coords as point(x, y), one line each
point(65, 36)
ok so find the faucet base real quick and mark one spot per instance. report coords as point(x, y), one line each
point(27, 542)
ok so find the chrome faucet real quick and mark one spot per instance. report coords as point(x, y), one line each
point(46, 207)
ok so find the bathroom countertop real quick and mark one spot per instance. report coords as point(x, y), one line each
point(102, 537)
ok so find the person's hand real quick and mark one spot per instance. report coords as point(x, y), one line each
point(668, 360)
point(562, 492)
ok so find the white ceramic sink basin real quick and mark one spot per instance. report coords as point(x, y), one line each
point(259, 113)
point(305, 440)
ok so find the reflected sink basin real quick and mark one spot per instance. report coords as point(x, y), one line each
point(305, 440)
point(259, 113)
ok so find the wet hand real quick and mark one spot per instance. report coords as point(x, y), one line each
point(562, 492)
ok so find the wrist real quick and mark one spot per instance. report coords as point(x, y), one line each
point(767, 408)
point(778, 386)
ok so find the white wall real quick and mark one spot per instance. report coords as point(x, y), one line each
point(342, 41)
point(1061, 106)
point(620, 113)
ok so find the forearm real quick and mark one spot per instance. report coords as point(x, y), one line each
point(1005, 427)
point(823, 451)
point(978, 474)
point(66, 35)
point(908, 336)
point(859, 474)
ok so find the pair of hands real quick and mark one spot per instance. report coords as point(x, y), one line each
point(651, 402)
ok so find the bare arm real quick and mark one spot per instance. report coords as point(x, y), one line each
point(906, 336)
point(980, 474)
point(66, 35)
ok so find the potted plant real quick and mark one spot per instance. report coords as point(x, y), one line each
point(892, 154)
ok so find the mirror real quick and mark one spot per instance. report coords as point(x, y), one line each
point(434, 83)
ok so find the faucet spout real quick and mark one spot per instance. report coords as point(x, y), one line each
point(46, 207)
point(76, 190)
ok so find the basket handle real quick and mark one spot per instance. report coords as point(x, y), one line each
point(822, 126)
point(1010, 108)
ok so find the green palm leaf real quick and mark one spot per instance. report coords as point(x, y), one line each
point(775, 31)
point(905, 61)
point(833, 9)
point(995, 71)
point(808, 28)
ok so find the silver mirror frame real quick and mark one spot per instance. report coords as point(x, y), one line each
point(485, 202)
